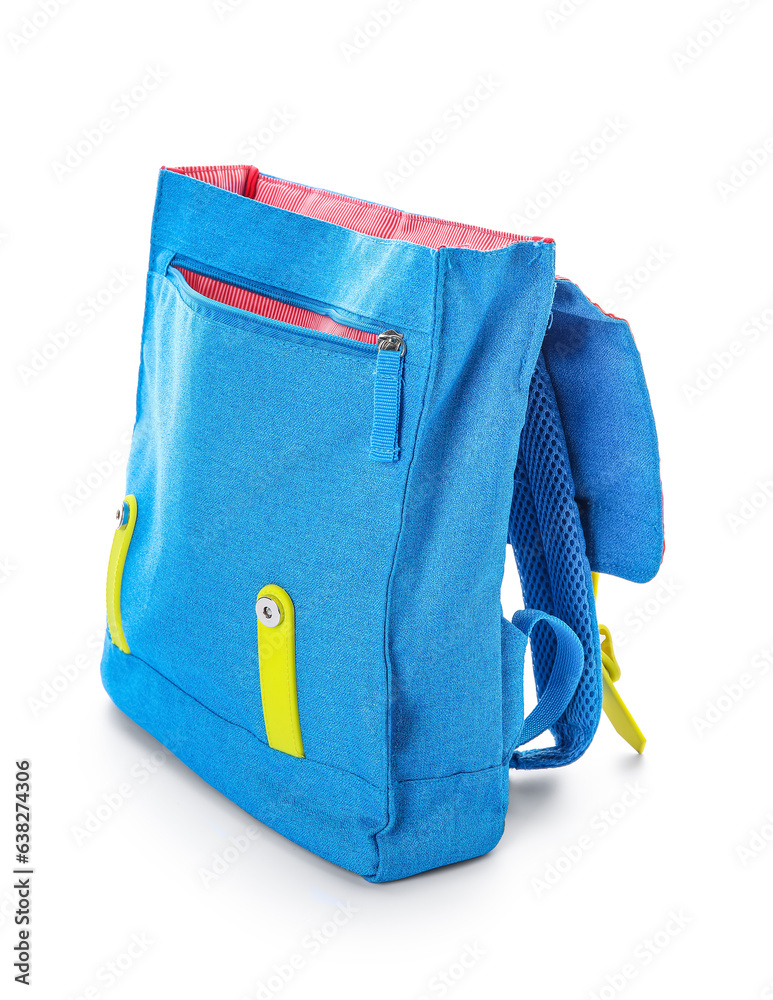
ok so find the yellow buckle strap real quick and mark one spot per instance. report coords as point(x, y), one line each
point(127, 517)
point(276, 662)
point(614, 706)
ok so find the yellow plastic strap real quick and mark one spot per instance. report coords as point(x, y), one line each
point(614, 706)
point(276, 656)
point(121, 539)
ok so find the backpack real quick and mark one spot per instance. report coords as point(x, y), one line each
point(344, 413)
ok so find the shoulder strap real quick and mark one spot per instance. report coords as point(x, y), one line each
point(547, 539)
point(587, 496)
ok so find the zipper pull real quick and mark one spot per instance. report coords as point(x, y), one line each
point(386, 397)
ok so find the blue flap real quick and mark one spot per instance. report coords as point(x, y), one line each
point(610, 434)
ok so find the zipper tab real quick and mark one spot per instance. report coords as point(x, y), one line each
point(391, 340)
point(386, 397)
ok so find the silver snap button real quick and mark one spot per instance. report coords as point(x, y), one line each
point(268, 612)
point(119, 516)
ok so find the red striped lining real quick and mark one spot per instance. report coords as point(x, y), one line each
point(230, 178)
point(359, 216)
point(261, 305)
point(379, 220)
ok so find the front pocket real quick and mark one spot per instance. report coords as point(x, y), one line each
point(250, 467)
point(236, 297)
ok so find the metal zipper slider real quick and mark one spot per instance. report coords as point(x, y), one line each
point(391, 340)
point(386, 397)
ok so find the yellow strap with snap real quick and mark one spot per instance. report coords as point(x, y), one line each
point(276, 656)
point(126, 517)
point(614, 706)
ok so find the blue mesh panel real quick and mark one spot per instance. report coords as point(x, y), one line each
point(549, 546)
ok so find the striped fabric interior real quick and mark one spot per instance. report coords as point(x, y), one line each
point(359, 216)
point(229, 178)
point(262, 305)
point(379, 220)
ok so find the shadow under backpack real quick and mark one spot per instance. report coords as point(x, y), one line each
point(344, 413)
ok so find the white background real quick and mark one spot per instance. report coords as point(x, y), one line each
point(687, 123)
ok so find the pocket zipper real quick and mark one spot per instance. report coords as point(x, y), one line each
point(279, 294)
point(387, 390)
point(390, 351)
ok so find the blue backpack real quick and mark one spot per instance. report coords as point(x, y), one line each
point(344, 413)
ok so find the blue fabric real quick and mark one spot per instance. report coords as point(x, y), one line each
point(250, 465)
point(513, 656)
point(547, 539)
point(605, 408)
point(564, 674)
point(387, 389)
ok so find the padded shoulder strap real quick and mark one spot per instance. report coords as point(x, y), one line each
point(549, 545)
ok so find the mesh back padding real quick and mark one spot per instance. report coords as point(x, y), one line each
point(549, 546)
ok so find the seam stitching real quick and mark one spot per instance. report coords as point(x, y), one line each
point(438, 291)
point(237, 725)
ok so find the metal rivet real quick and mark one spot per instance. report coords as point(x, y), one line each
point(119, 516)
point(268, 611)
